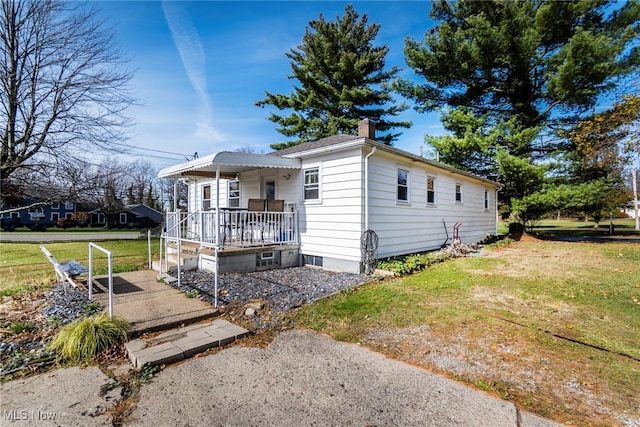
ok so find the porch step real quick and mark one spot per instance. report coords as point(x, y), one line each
point(178, 344)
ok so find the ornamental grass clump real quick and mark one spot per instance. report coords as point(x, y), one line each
point(85, 338)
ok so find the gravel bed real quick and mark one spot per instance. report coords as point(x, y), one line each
point(280, 290)
point(62, 304)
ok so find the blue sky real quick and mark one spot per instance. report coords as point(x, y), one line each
point(199, 67)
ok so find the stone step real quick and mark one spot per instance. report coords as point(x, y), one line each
point(178, 344)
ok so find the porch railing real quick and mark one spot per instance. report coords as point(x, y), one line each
point(237, 228)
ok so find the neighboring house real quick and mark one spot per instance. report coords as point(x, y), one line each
point(46, 215)
point(313, 202)
point(131, 216)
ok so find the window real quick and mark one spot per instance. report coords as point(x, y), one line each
point(55, 216)
point(123, 218)
point(36, 213)
point(206, 197)
point(312, 184)
point(234, 194)
point(486, 200)
point(101, 218)
point(458, 193)
point(431, 190)
point(68, 215)
point(68, 206)
point(56, 206)
point(403, 185)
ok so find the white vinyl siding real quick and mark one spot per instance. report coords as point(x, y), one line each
point(416, 227)
point(332, 228)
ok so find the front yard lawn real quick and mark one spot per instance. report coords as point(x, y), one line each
point(552, 326)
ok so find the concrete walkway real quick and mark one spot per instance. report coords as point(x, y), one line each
point(149, 304)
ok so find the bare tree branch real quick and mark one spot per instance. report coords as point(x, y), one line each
point(64, 87)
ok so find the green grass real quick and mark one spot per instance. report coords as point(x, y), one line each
point(574, 227)
point(23, 266)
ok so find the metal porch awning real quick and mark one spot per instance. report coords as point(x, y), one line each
point(229, 164)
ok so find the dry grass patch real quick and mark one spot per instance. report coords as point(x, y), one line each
point(553, 327)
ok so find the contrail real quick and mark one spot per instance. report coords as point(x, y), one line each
point(187, 41)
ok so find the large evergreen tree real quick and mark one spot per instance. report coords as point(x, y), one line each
point(508, 75)
point(542, 62)
point(342, 79)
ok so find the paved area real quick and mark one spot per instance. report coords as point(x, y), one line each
point(301, 378)
point(49, 236)
point(149, 304)
point(64, 397)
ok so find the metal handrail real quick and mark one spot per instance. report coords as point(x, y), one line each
point(110, 263)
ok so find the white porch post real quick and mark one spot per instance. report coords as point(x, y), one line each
point(217, 245)
point(175, 194)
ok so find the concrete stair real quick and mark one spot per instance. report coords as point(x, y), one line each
point(178, 344)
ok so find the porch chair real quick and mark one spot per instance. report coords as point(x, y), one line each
point(254, 224)
point(273, 221)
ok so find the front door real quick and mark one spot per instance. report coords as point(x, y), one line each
point(269, 187)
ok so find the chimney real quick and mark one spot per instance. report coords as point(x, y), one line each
point(367, 129)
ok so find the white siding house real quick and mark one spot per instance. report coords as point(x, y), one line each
point(333, 190)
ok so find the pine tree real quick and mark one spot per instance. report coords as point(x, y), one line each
point(342, 79)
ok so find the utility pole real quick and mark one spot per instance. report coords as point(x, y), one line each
point(634, 172)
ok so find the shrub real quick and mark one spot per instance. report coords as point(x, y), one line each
point(66, 223)
point(86, 337)
point(516, 230)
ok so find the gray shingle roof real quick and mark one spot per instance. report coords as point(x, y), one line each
point(319, 143)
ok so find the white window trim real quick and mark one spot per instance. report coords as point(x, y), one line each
point(101, 218)
point(55, 216)
point(319, 198)
point(397, 185)
point(68, 205)
point(229, 198)
point(122, 214)
point(435, 191)
point(455, 193)
point(202, 199)
point(486, 201)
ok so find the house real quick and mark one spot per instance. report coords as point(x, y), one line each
point(37, 216)
point(312, 204)
point(131, 216)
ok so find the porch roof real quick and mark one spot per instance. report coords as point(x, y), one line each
point(229, 163)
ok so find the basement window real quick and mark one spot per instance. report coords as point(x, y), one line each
point(313, 260)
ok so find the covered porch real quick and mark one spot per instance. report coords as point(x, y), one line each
point(258, 219)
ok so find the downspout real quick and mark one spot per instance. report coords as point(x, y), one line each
point(366, 188)
point(496, 203)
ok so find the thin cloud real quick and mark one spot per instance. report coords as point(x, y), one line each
point(191, 50)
